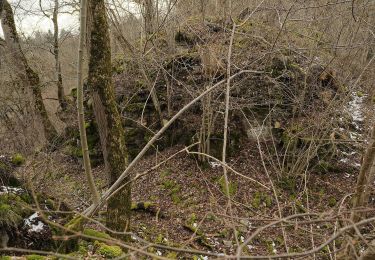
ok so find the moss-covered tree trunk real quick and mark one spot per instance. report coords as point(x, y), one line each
point(27, 75)
point(107, 115)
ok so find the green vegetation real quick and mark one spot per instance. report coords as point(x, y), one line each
point(288, 183)
point(94, 233)
point(108, 251)
point(332, 201)
point(231, 185)
point(12, 210)
point(174, 190)
point(18, 159)
point(35, 257)
point(261, 198)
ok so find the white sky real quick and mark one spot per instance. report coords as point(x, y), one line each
point(29, 18)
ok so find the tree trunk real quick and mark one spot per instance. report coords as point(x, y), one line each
point(149, 16)
point(27, 75)
point(107, 115)
point(364, 177)
point(80, 107)
point(59, 83)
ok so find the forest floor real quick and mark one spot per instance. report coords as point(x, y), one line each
point(186, 203)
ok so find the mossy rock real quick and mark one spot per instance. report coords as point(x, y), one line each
point(108, 251)
point(12, 210)
point(94, 233)
point(8, 217)
point(18, 159)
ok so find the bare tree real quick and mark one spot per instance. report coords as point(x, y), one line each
point(27, 75)
point(56, 51)
point(81, 116)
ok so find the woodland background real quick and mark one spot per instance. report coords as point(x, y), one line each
point(215, 129)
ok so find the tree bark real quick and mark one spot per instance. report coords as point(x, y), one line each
point(149, 16)
point(107, 116)
point(59, 82)
point(364, 177)
point(27, 75)
point(80, 107)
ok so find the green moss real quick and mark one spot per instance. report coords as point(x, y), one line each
point(75, 224)
point(176, 198)
point(73, 151)
point(165, 173)
point(9, 217)
point(134, 107)
point(50, 204)
point(169, 184)
point(94, 233)
point(5, 257)
point(83, 247)
point(118, 66)
point(26, 197)
point(224, 233)
point(288, 183)
point(159, 239)
point(108, 251)
point(325, 167)
point(174, 189)
point(300, 206)
point(4, 167)
point(326, 250)
point(73, 92)
point(332, 202)
point(35, 257)
point(172, 255)
point(192, 219)
point(256, 200)
point(270, 246)
point(268, 200)
point(231, 186)
point(18, 159)
point(261, 199)
point(360, 94)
